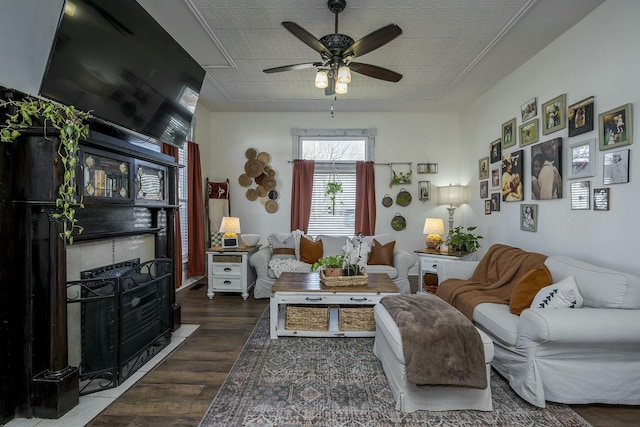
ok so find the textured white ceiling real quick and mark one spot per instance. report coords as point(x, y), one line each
point(450, 50)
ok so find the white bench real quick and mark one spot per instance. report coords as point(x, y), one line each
point(410, 397)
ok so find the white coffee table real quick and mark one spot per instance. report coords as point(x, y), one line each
point(306, 289)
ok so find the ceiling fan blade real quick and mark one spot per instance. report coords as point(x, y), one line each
point(375, 72)
point(293, 67)
point(372, 41)
point(307, 38)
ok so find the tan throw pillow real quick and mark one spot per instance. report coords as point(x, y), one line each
point(381, 254)
point(527, 287)
point(310, 251)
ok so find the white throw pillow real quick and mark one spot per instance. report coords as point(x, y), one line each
point(563, 294)
point(287, 240)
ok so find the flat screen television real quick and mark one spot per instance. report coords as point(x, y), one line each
point(112, 58)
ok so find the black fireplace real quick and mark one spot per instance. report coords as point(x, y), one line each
point(125, 312)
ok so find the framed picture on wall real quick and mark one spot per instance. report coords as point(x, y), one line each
point(582, 157)
point(615, 127)
point(483, 168)
point(528, 217)
point(509, 133)
point(554, 114)
point(484, 189)
point(580, 117)
point(487, 207)
point(495, 178)
point(580, 195)
point(424, 188)
point(616, 167)
point(546, 170)
point(512, 178)
point(495, 151)
point(600, 199)
point(528, 132)
point(495, 202)
point(529, 109)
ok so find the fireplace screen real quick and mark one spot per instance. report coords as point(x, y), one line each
point(125, 315)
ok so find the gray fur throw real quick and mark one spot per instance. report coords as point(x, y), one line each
point(441, 346)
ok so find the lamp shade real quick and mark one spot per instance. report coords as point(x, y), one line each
point(434, 226)
point(341, 88)
point(453, 195)
point(322, 80)
point(230, 224)
point(344, 74)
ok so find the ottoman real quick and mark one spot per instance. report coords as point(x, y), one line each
point(410, 397)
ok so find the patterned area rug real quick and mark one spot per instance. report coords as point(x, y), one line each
point(339, 382)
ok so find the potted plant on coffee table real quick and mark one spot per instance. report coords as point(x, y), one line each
point(331, 264)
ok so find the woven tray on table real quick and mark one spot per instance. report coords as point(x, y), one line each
point(359, 280)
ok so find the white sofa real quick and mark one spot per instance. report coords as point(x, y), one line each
point(567, 355)
point(333, 245)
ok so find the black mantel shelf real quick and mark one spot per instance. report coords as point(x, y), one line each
point(108, 235)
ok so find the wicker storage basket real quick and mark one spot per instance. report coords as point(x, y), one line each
point(356, 318)
point(359, 280)
point(307, 318)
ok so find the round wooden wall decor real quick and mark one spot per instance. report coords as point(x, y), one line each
point(271, 206)
point(251, 153)
point(254, 168)
point(252, 194)
point(244, 180)
point(260, 178)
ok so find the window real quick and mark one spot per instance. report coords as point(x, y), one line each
point(335, 152)
point(182, 200)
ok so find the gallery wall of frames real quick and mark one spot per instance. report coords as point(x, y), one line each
point(527, 138)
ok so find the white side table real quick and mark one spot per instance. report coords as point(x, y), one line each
point(429, 260)
point(228, 270)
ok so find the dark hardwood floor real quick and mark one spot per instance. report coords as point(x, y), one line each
point(179, 390)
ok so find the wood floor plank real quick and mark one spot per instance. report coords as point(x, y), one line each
point(177, 392)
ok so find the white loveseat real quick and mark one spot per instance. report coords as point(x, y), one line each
point(333, 245)
point(567, 355)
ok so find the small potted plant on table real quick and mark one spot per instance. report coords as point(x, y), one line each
point(331, 264)
point(461, 241)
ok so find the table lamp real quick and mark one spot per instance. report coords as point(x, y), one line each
point(434, 229)
point(230, 226)
point(454, 196)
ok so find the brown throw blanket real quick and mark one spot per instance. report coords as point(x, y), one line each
point(440, 346)
point(493, 279)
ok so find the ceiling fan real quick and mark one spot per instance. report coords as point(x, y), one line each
point(338, 51)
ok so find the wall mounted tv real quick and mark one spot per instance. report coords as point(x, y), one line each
point(113, 58)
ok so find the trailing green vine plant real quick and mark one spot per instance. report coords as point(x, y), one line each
point(71, 125)
point(333, 189)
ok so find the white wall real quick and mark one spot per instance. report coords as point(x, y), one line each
point(401, 138)
point(596, 57)
point(27, 30)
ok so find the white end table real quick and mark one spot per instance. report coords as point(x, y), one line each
point(228, 270)
point(429, 260)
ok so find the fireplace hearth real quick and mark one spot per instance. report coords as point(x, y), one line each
point(125, 319)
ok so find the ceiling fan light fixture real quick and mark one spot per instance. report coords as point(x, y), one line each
point(322, 80)
point(344, 74)
point(341, 88)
